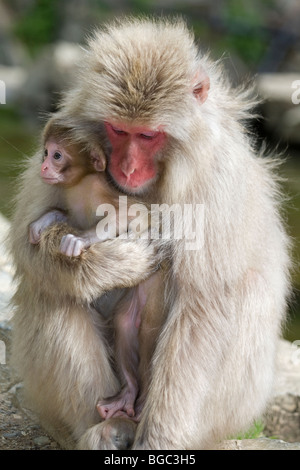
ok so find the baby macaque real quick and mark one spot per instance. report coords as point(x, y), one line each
point(80, 174)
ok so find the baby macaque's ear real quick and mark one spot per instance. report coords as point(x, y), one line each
point(98, 160)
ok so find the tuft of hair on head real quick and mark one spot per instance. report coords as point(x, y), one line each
point(150, 71)
point(140, 70)
point(54, 129)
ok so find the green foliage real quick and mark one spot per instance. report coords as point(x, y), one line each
point(38, 25)
point(141, 6)
point(250, 48)
point(15, 142)
point(254, 432)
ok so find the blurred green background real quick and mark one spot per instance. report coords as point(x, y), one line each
point(39, 47)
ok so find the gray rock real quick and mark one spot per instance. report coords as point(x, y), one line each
point(258, 444)
point(41, 441)
point(282, 419)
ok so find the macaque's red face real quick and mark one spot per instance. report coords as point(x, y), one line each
point(133, 162)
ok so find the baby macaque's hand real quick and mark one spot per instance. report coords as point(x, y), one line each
point(73, 245)
point(35, 230)
point(37, 227)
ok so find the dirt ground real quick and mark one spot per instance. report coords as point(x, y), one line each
point(18, 428)
point(19, 432)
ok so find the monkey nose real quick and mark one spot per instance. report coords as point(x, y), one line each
point(128, 170)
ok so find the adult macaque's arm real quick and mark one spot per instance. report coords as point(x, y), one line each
point(102, 267)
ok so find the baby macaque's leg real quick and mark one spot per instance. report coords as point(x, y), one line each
point(127, 322)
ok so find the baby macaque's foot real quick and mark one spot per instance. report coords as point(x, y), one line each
point(121, 404)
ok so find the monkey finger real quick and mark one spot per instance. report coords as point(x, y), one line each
point(71, 248)
point(67, 244)
point(106, 411)
point(102, 410)
point(78, 247)
point(63, 244)
point(129, 411)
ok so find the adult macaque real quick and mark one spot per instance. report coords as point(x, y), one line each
point(174, 134)
point(80, 175)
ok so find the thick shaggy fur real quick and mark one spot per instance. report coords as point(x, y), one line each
point(212, 370)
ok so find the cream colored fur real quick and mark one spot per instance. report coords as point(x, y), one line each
point(213, 366)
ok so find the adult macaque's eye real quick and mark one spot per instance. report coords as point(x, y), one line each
point(57, 156)
point(118, 131)
point(149, 135)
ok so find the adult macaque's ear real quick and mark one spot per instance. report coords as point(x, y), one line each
point(99, 160)
point(201, 85)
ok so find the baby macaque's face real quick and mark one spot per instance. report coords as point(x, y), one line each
point(66, 165)
point(55, 162)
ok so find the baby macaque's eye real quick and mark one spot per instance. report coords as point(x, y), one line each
point(57, 156)
point(45, 154)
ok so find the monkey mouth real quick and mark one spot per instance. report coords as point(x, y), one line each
point(123, 188)
point(51, 180)
point(129, 188)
